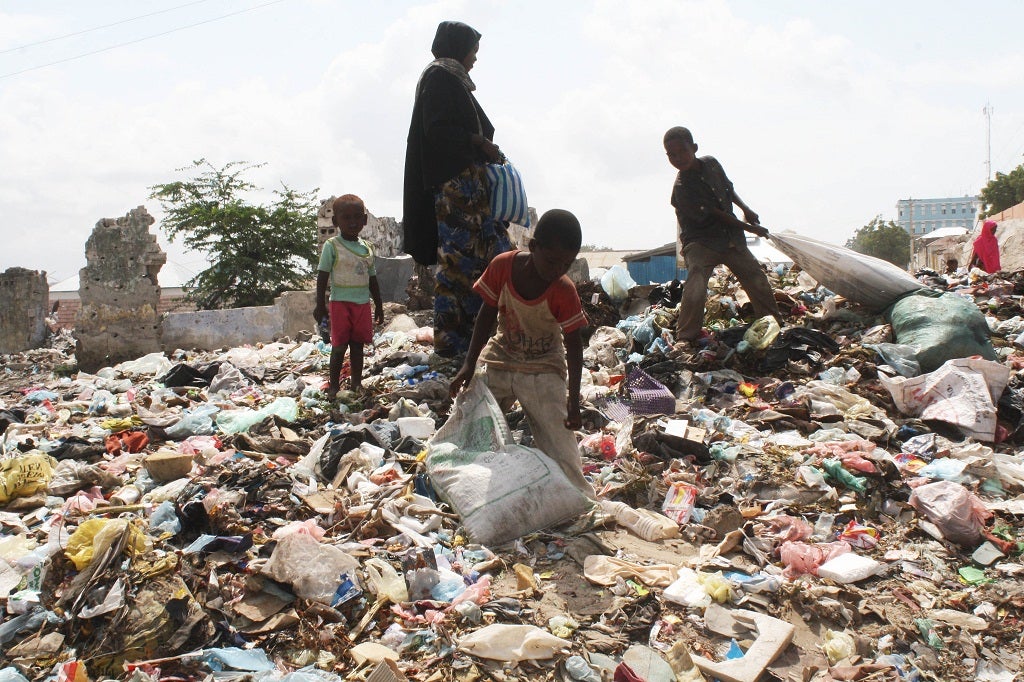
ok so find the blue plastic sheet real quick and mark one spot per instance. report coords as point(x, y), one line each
point(253, 660)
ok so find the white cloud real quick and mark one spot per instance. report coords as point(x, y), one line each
point(819, 130)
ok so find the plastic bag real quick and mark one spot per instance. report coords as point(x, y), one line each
point(838, 645)
point(957, 512)
point(237, 421)
point(717, 587)
point(607, 570)
point(24, 475)
point(252, 660)
point(195, 422)
point(385, 581)
point(762, 333)
point(164, 519)
point(507, 193)
point(679, 502)
point(647, 524)
point(499, 489)
point(314, 570)
point(616, 282)
point(513, 643)
point(801, 557)
point(899, 356)
point(828, 399)
point(687, 590)
point(942, 328)
point(870, 281)
point(154, 363)
point(94, 536)
point(849, 568)
point(11, 674)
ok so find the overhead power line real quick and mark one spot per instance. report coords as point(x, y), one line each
point(99, 28)
point(139, 40)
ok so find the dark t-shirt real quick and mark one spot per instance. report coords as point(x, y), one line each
point(694, 194)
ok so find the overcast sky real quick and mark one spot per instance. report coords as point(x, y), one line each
point(823, 113)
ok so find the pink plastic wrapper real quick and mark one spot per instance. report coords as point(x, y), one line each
point(308, 527)
point(801, 557)
point(84, 501)
point(957, 512)
point(852, 453)
point(479, 593)
point(789, 528)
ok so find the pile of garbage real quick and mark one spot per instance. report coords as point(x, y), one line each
point(834, 498)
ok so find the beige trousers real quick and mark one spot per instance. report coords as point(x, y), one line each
point(542, 397)
point(700, 264)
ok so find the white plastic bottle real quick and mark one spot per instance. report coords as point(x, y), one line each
point(648, 525)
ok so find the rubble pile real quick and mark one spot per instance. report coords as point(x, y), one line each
point(791, 502)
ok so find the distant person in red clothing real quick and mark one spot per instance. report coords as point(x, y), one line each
point(986, 248)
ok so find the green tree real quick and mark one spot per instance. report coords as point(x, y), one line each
point(1006, 190)
point(885, 240)
point(255, 251)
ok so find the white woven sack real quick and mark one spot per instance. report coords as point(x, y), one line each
point(870, 281)
point(500, 490)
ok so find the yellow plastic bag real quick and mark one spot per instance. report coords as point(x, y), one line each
point(386, 581)
point(25, 475)
point(838, 645)
point(94, 536)
point(717, 587)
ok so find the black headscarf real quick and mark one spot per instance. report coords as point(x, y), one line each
point(454, 40)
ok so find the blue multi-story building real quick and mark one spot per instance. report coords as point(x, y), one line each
point(921, 216)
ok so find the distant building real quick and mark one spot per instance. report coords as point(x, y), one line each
point(921, 216)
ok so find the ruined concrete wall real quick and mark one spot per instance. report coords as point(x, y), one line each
point(291, 313)
point(119, 292)
point(393, 275)
point(385, 234)
point(296, 311)
point(24, 303)
point(213, 329)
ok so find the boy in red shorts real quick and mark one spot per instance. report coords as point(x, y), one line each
point(347, 263)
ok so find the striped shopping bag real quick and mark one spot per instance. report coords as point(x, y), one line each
point(508, 196)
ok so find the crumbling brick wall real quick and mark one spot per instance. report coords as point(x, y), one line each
point(24, 304)
point(119, 292)
point(385, 234)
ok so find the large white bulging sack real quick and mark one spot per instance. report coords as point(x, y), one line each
point(867, 280)
point(499, 489)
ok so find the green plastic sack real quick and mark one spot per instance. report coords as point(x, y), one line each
point(238, 421)
point(943, 327)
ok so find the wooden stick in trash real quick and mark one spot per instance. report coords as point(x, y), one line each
point(115, 510)
point(132, 665)
point(358, 629)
